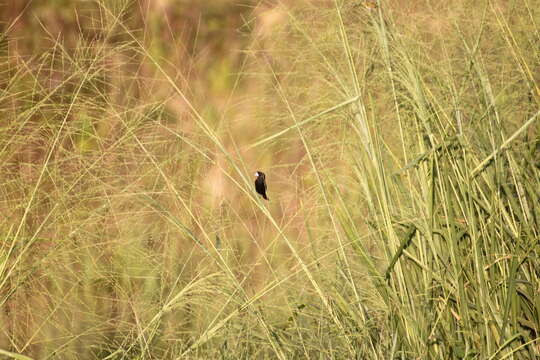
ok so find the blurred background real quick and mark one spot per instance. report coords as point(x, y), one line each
point(130, 132)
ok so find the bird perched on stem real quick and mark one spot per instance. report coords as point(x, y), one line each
point(260, 184)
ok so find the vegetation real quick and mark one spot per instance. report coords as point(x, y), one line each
point(400, 142)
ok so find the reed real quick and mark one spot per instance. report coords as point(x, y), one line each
point(400, 146)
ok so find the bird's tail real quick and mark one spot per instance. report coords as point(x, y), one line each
point(266, 197)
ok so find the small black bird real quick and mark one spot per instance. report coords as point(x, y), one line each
point(260, 184)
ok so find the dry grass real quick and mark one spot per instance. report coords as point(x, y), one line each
point(400, 143)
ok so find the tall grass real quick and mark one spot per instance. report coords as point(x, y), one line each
point(400, 144)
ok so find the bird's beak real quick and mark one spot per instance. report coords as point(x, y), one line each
point(256, 174)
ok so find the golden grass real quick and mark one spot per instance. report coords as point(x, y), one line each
point(400, 144)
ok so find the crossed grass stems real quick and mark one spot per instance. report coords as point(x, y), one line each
point(452, 211)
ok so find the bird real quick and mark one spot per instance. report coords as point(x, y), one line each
point(260, 184)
